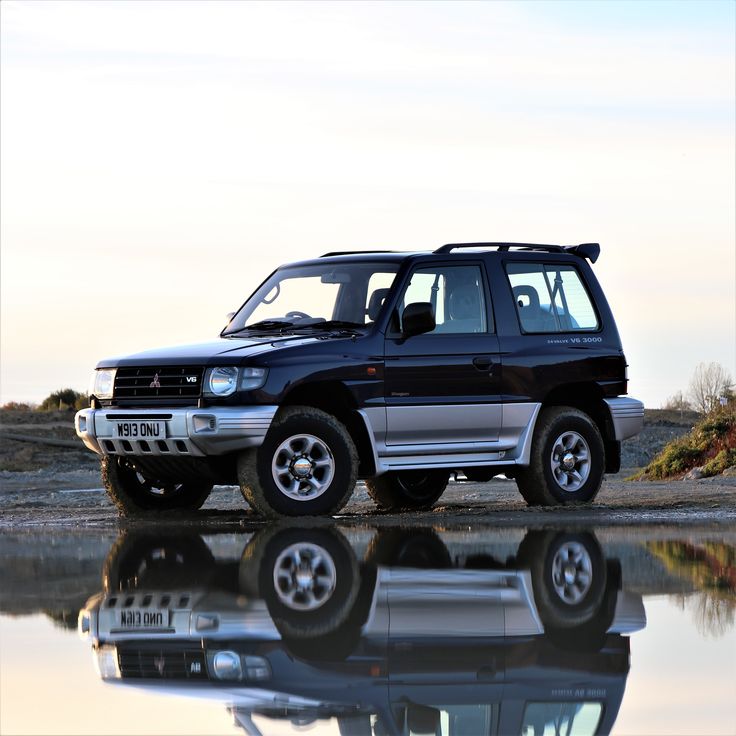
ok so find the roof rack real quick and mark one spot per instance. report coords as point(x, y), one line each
point(591, 251)
point(355, 252)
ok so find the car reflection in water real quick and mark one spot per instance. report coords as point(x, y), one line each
point(408, 640)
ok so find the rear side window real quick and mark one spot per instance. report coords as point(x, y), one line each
point(550, 298)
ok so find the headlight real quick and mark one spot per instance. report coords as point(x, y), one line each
point(221, 381)
point(227, 666)
point(252, 378)
point(103, 382)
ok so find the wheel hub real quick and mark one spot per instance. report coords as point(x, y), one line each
point(304, 579)
point(304, 576)
point(572, 572)
point(570, 461)
point(302, 467)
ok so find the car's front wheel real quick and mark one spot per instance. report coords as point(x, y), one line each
point(135, 493)
point(567, 462)
point(306, 466)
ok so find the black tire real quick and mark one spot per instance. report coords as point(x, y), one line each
point(407, 489)
point(332, 457)
point(420, 548)
point(569, 578)
point(157, 561)
point(303, 609)
point(136, 494)
point(338, 645)
point(542, 483)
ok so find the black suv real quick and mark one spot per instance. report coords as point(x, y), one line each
point(399, 368)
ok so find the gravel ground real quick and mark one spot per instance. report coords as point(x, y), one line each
point(75, 499)
point(42, 485)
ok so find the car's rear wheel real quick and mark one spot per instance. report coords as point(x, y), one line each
point(407, 489)
point(567, 460)
point(306, 466)
point(135, 493)
point(568, 576)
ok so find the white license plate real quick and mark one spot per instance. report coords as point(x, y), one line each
point(143, 618)
point(139, 430)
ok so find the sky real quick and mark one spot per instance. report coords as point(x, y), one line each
point(680, 682)
point(158, 160)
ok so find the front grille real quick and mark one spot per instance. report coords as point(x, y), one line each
point(163, 382)
point(159, 663)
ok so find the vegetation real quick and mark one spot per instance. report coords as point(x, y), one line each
point(710, 383)
point(711, 568)
point(711, 445)
point(66, 398)
point(17, 406)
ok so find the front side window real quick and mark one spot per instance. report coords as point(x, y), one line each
point(456, 294)
point(550, 298)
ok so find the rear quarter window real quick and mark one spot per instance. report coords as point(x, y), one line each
point(551, 297)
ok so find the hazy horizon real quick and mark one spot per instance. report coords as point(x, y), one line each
point(158, 160)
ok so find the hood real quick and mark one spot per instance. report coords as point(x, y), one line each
point(227, 350)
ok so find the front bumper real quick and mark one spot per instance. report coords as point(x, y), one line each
point(190, 432)
point(627, 416)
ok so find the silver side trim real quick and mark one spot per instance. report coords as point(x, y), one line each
point(190, 432)
point(511, 447)
point(627, 416)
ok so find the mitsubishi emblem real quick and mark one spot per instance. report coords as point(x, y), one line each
point(155, 383)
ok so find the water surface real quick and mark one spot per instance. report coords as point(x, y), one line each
point(364, 631)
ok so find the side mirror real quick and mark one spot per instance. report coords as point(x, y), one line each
point(417, 319)
point(229, 316)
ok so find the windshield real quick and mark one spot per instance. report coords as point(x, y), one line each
point(341, 295)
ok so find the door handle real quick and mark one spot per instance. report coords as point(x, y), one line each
point(482, 363)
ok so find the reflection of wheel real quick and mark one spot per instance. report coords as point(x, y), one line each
point(567, 461)
point(407, 489)
point(157, 561)
point(340, 643)
point(568, 577)
point(134, 493)
point(307, 465)
point(397, 547)
point(309, 580)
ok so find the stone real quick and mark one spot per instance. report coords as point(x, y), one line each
point(694, 474)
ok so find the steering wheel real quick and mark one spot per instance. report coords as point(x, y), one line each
point(295, 314)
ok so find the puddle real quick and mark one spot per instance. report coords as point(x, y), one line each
point(457, 630)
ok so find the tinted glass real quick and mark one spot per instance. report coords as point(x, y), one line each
point(550, 298)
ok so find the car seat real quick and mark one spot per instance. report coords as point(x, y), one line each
point(375, 303)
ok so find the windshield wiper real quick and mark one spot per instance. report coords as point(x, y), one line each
point(330, 324)
point(266, 325)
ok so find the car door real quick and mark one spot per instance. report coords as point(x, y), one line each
point(442, 387)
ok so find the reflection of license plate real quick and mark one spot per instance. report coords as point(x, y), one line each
point(140, 430)
point(136, 618)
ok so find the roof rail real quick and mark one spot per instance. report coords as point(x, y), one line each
point(591, 251)
point(355, 252)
